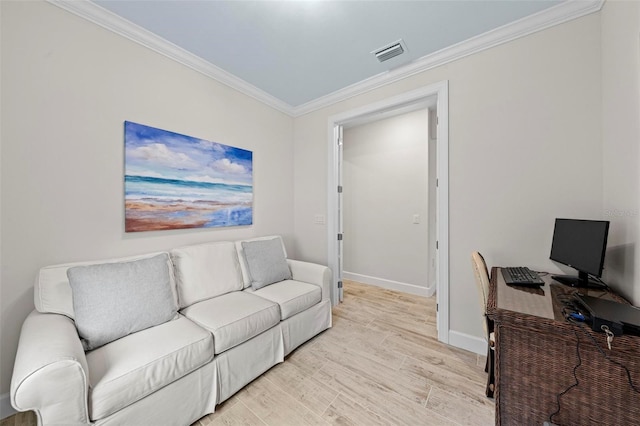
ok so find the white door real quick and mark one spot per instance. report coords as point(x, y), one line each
point(340, 236)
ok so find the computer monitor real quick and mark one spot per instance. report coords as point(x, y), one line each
point(580, 244)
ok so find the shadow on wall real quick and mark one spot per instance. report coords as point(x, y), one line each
point(620, 271)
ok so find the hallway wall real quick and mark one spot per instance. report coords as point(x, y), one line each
point(385, 185)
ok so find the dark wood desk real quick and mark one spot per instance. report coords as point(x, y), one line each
point(537, 352)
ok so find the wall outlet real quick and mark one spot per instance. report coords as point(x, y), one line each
point(416, 218)
point(319, 219)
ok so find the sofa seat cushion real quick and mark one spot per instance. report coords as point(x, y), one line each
point(126, 370)
point(234, 318)
point(292, 296)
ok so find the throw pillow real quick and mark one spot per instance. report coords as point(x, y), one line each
point(266, 262)
point(113, 300)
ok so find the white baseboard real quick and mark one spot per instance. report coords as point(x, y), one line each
point(468, 342)
point(6, 409)
point(431, 290)
point(390, 285)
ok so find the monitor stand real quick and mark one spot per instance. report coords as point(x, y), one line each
point(582, 280)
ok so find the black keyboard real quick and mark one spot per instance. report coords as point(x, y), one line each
point(520, 275)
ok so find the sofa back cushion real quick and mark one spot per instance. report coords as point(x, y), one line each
point(113, 300)
point(246, 276)
point(204, 271)
point(52, 292)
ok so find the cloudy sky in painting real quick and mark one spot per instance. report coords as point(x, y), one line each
point(158, 153)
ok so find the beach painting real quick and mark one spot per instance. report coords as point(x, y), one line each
point(173, 181)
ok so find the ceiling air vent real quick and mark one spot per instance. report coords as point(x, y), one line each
point(390, 51)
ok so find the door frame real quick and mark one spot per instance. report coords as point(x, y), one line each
point(440, 91)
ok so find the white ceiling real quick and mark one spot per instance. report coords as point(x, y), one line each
point(299, 51)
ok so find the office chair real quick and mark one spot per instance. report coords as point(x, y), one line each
point(482, 281)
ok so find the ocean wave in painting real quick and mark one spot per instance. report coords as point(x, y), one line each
point(156, 203)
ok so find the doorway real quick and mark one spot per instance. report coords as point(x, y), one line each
point(385, 209)
point(434, 97)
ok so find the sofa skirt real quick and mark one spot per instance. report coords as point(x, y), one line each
point(241, 364)
point(303, 326)
point(181, 402)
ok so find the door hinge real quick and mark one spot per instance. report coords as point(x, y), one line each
point(339, 189)
point(339, 284)
point(339, 237)
point(436, 245)
point(437, 183)
point(437, 307)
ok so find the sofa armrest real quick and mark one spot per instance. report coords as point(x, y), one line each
point(312, 273)
point(50, 375)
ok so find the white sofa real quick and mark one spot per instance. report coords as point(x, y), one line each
point(224, 335)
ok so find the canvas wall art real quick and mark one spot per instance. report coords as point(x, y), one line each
point(173, 181)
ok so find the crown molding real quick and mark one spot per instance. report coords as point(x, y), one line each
point(552, 16)
point(109, 20)
point(542, 20)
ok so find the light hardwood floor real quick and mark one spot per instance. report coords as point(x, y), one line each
point(380, 364)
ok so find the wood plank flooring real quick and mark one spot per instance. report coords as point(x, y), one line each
point(380, 364)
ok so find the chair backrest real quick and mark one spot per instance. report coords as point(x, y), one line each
point(482, 281)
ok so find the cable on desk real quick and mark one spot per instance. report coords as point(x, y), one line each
point(603, 353)
point(600, 281)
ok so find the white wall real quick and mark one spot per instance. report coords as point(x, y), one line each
point(385, 185)
point(620, 138)
point(537, 97)
point(67, 87)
